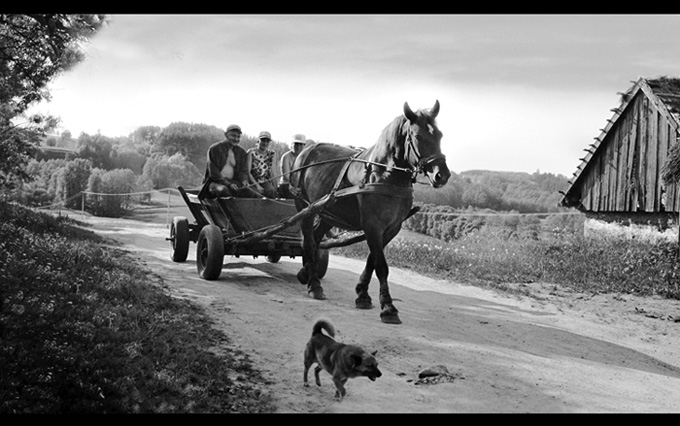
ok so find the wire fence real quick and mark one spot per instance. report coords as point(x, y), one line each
point(499, 214)
point(82, 195)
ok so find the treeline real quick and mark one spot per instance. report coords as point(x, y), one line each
point(498, 191)
point(509, 203)
point(448, 224)
point(155, 157)
point(149, 158)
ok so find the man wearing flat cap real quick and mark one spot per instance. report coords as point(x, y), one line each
point(297, 144)
point(226, 170)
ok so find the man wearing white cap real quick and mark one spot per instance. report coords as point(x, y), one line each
point(297, 144)
point(227, 168)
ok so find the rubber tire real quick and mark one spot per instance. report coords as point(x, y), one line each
point(210, 252)
point(179, 234)
point(273, 258)
point(322, 266)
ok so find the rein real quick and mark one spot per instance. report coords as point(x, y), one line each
point(421, 163)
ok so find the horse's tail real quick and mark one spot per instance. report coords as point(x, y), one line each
point(323, 324)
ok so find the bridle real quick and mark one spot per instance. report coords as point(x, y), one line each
point(421, 163)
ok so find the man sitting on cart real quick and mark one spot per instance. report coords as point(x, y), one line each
point(287, 160)
point(227, 170)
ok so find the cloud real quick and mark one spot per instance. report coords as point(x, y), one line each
point(518, 92)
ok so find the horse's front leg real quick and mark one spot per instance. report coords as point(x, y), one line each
point(309, 273)
point(389, 313)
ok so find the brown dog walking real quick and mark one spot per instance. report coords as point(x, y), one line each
point(341, 361)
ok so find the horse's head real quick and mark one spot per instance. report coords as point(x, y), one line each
point(423, 145)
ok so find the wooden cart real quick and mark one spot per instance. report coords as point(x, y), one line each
point(240, 227)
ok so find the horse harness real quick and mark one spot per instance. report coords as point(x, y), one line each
point(366, 187)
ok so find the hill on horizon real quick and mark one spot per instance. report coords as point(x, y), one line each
point(498, 190)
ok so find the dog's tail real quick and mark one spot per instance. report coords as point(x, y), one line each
point(323, 324)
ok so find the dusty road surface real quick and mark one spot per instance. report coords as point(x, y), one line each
point(555, 352)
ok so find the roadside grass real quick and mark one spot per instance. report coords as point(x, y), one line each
point(597, 263)
point(85, 330)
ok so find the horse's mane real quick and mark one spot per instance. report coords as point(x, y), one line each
point(392, 136)
point(393, 131)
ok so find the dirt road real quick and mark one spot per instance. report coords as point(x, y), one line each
point(557, 352)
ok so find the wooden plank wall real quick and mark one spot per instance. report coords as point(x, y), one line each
point(624, 175)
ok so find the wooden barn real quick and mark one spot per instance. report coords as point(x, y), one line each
point(619, 177)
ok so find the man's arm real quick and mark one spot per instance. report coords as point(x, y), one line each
point(242, 170)
point(214, 168)
point(285, 168)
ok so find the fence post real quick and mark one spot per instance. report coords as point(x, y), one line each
point(167, 214)
point(82, 204)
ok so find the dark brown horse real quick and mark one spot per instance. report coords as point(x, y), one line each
point(374, 191)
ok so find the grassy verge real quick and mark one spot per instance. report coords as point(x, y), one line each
point(596, 264)
point(84, 330)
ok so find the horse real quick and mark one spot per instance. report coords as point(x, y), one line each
point(377, 195)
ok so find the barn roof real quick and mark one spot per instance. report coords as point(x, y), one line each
point(668, 91)
point(664, 92)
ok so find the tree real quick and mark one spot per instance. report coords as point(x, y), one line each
point(97, 149)
point(670, 173)
point(113, 189)
point(72, 180)
point(170, 172)
point(189, 139)
point(33, 50)
point(481, 196)
point(124, 158)
point(144, 138)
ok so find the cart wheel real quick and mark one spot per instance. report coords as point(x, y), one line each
point(210, 252)
point(273, 258)
point(179, 236)
point(322, 267)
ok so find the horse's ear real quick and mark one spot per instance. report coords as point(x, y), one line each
point(409, 114)
point(435, 109)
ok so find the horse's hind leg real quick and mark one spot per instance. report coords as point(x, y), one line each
point(309, 273)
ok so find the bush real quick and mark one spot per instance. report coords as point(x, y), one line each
point(112, 192)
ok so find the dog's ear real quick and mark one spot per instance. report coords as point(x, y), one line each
point(356, 360)
point(374, 352)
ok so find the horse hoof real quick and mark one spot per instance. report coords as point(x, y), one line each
point(302, 276)
point(317, 293)
point(363, 303)
point(390, 318)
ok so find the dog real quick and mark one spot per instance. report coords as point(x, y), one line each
point(341, 361)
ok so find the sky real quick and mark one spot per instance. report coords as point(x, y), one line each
point(520, 93)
